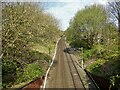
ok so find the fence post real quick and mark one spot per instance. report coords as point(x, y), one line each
point(82, 58)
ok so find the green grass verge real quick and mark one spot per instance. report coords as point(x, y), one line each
point(31, 72)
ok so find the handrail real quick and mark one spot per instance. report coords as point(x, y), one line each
point(93, 81)
point(90, 77)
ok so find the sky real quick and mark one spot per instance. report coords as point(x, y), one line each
point(64, 10)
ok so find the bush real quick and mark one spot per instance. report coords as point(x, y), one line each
point(87, 54)
point(114, 81)
point(32, 71)
point(96, 66)
point(9, 72)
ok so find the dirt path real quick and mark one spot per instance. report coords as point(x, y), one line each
point(64, 73)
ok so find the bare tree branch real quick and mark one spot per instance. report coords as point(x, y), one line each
point(115, 11)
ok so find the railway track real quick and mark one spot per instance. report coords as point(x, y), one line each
point(77, 81)
point(63, 66)
point(60, 68)
point(64, 74)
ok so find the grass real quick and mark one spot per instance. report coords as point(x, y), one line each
point(36, 59)
point(31, 72)
point(39, 48)
point(43, 48)
point(35, 69)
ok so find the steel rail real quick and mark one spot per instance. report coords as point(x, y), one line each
point(76, 71)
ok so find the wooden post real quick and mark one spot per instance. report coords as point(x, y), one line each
point(82, 58)
point(49, 55)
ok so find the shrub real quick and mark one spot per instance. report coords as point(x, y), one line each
point(96, 66)
point(32, 71)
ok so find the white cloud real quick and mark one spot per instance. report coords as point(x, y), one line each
point(65, 12)
point(103, 2)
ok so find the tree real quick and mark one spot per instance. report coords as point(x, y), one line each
point(114, 9)
point(25, 26)
point(115, 13)
point(87, 26)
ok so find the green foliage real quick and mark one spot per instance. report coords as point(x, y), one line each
point(87, 54)
point(9, 72)
point(25, 26)
point(96, 66)
point(114, 80)
point(31, 71)
point(98, 50)
point(99, 38)
point(0, 85)
point(86, 25)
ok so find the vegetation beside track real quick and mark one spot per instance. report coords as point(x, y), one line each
point(92, 30)
point(29, 36)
